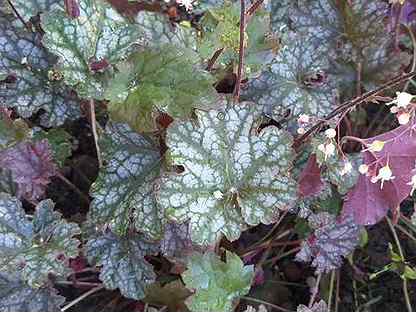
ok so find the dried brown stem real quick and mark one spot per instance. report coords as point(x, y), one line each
point(241, 51)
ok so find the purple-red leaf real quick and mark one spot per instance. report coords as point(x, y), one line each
point(331, 240)
point(31, 166)
point(369, 202)
point(72, 8)
point(310, 182)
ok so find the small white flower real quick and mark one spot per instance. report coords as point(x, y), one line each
point(303, 119)
point(301, 130)
point(403, 118)
point(330, 133)
point(23, 61)
point(347, 169)
point(384, 174)
point(363, 169)
point(188, 4)
point(413, 184)
point(403, 99)
point(327, 149)
point(218, 194)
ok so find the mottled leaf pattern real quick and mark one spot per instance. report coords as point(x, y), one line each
point(31, 8)
point(297, 81)
point(331, 240)
point(320, 306)
point(123, 190)
point(31, 166)
point(157, 30)
point(217, 284)
point(123, 263)
point(17, 296)
point(163, 79)
point(231, 176)
point(99, 33)
point(22, 57)
point(35, 248)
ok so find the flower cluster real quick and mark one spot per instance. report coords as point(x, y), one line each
point(402, 107)
point(328, 148)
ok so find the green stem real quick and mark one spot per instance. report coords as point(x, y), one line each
point(399, 246)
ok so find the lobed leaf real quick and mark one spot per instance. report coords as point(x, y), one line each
point(123, 190)
point(31, 166)
point(297, 82)
point(232, 178)
point(331, 240)
point(98, 34)
point(35, 85)
point(17, 296)
point(164, 79)
point(123, 263)
point(35, 248)
point(217, 284)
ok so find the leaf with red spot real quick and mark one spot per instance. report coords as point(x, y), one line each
point(31, 166)
point(310, 182)
point(368, 202)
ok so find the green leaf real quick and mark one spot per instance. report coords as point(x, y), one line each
point(232, 178)
point(409, 273)
point(11, 131)
point(123, 190)
point(123, 262)
point(221, 30)
point(17, 296)
point(59, 141)
point(154, 80)
point(296, 82)
point(217, 284)
point(98, 34)
point(36, 87)
point(35, 248)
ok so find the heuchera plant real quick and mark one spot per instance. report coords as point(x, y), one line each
point(185, 169)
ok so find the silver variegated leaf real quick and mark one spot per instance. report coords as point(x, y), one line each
point(232, 178)
point(99, 34)
point(31, 8)
point(123, 263)
point(158, 30)
point(35, 248)
point(34, 88)
point(17, 296)
point(331, 240)
point(123, 190)
point(320, 306)
point(296, 82)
